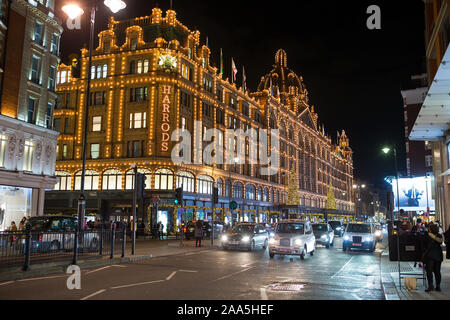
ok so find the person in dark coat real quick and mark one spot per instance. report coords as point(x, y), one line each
point(433, 257)
point(447, 242)
point(198, 233)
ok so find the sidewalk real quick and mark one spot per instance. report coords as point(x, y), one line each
point(391, 286)
point(145, 249)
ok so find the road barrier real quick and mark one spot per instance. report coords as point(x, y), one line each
point(28, 247)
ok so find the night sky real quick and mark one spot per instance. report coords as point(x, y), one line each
point(353, 75)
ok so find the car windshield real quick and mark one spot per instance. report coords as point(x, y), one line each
point(359, 228)
point(39, 224)
point(334, 224)
point(290, 228)
point(243, 229)
point(320, 227)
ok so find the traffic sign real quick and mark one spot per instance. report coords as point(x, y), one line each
point(233, 205)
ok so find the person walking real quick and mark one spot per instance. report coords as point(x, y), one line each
point(433, 257)
point(22, 224)
point(161, 231)
point(198, 233)
point(447, 242)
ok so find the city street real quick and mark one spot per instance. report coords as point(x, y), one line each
point(215, 274)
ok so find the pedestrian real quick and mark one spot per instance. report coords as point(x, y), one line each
point(161, 231)
point(447, 242)
point(198, 233)
point(419, 231)
point(441, 231)
point(433, 257)
point(22, 224)
point(154, 231)
point(13, 227)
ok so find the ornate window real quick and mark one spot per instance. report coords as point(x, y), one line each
point(164, 179)
point(129, 179)
point(185, 180)
point(90, 181)
point(227, 189)
point(205, 184)
point(112, 180)
point(259, 194)
point(238, 190)
point(219, 184)
point(250, 192)
point(65, 181)
point(266, 195)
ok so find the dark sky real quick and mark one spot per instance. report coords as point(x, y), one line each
point(353, 75)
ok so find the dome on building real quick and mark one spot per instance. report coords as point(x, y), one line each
point(284, 79)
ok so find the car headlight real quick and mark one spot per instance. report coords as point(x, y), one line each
point(324, 237)
point(298, 242)
point(272, 234)
point(378, 233)
point(224, 238)
point(272, 241)
point(245, 239)
point(346, 238)
point(338, 229)
point(368, 238)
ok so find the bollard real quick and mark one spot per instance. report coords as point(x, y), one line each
point(124, 241)
point(75, 247)
point(27, 247)
point(101, 240)
point(113, 233)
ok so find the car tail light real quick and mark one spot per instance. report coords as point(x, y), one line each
point(40, 238)
point(14, 239)
point(185, 229)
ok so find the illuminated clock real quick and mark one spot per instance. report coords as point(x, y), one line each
point(167, 61)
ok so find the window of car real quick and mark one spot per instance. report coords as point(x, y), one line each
point(320, 227)
point(359, 228)
point(243, 229)
point(296, 228)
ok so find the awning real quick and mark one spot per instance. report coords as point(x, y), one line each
point(434, 116)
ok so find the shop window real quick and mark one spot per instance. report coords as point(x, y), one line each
point(238, 190)
point(65, 181)
point(185, 180)
point(164, 179)
point(129, 179)
point(90, 182)
point(205, 184)
point(112, 180)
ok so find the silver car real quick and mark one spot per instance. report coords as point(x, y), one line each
point(293, 237)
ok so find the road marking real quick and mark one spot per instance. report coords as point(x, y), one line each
point(171, 276)
point(5, 283)
point(94, 294)
point(230, 275)
point(356, 296)
point(118, 266)
point(342, 268)
point(247, 265)
point(263, 294)
point(100, 269)
point(137, 284)
point(191, 271)
point(43, 278)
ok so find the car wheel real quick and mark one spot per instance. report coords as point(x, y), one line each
point(271, 255)
point(302, 256)
point(54, 246)
point(266, 244)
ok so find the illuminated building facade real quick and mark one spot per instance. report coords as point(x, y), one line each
point(150, 76)
point(30, 34)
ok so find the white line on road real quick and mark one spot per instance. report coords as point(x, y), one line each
point(100, 269)
point(43, 278)
point(118, 266)
point(5, 283)
point(342, 268)
point(171, 276)
point(356, 296)
point(137, 284)
point(230, 275)
point(94, 294)
point(264, 294)
point(191, 271)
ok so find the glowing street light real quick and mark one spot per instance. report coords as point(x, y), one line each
point(73, 10)
point(115, 5)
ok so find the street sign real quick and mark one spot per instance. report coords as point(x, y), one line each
point(233, 205)
point(155, 200)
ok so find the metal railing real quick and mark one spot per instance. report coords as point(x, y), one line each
point(32, 247)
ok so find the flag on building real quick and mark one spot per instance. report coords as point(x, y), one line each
point(244, 80)
point(234, 71)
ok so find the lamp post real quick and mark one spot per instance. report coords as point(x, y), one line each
point(358, 202)
point(74, 11)
point(387, 150)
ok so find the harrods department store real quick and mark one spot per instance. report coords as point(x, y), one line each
point(151, 76)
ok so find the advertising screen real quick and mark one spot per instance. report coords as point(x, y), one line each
point(414, 193)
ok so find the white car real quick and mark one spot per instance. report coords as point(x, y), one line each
point(293, 237)
point(359, 236)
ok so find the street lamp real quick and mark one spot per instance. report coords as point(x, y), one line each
point(386, 151)
point(73, 11)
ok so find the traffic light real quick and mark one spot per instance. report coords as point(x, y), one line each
point(179, 196)
point(140, 185)
point(75, 68)
point(216, 195)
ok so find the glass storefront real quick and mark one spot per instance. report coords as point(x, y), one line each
point(15, 204)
